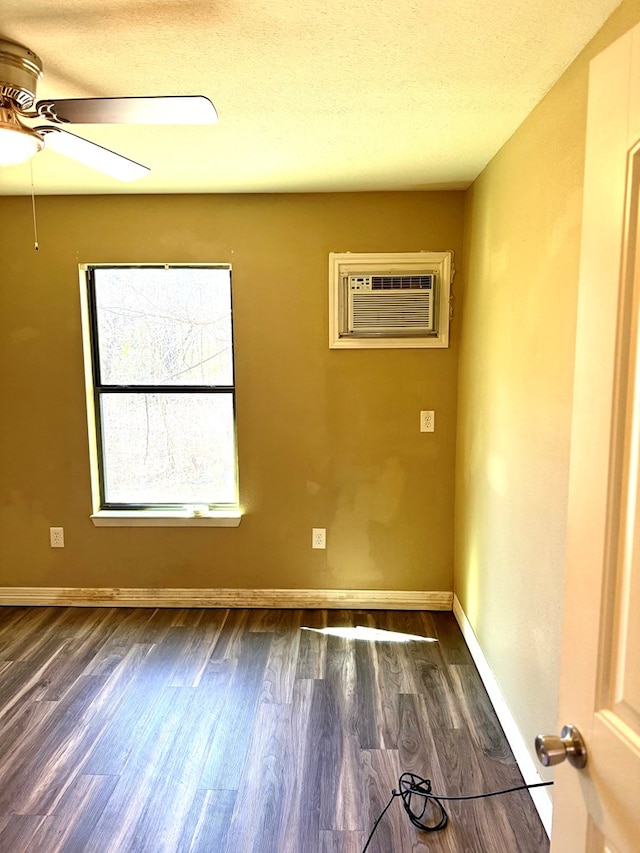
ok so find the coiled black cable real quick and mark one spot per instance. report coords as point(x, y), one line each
point(414, 788)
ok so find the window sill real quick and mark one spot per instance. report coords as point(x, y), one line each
point(165, 518)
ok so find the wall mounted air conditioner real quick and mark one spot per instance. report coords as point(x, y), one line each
point(389, 300)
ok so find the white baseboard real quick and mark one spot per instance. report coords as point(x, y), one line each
point(540, 796)
point(350, 599)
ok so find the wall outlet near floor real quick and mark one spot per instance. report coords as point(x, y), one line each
point(56, 537)
point(427, 421)
point(318, 537)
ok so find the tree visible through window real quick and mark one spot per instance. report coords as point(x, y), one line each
point(162, 362)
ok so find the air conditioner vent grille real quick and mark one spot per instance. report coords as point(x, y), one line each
point(401, 282)
point(389, 281)
point(407, 312)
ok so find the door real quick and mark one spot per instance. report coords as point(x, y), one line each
point(598, 808)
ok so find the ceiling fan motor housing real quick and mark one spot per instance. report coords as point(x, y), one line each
point(20, 70)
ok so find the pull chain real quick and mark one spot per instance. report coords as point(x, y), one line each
point(33, 208)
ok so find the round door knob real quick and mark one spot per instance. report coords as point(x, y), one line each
point(552, 749)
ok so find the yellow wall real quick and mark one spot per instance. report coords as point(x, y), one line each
point(522, 240)
point(326, 438)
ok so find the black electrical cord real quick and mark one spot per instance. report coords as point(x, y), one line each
point(414, 787)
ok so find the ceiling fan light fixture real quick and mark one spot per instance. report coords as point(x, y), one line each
point(17, 142)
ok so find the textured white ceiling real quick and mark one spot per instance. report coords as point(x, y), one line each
point(311, 96)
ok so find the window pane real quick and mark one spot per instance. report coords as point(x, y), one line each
point(168, 448)
point(164, 326)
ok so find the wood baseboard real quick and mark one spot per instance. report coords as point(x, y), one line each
point(351, 599)
point(540, 796)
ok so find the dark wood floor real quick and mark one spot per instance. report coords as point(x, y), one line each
point(221, 731)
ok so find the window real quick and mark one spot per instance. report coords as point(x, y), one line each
point(159, 344)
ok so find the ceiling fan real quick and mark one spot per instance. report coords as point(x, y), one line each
point(20, 70)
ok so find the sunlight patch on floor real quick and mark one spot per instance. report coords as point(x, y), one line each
point(372, 635)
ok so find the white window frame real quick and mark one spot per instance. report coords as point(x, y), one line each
point(227, 515)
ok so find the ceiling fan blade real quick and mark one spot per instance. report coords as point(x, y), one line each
point(91, 154)
point(172, 109)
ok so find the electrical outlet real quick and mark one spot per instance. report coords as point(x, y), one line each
point(56, 537)
point(318, 537)
point(427, 421)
